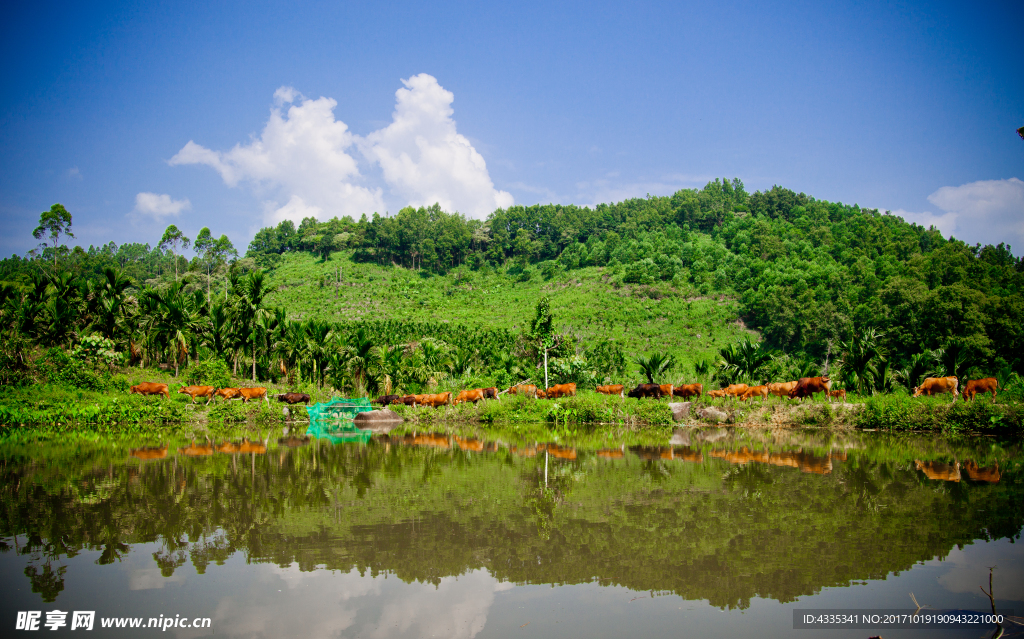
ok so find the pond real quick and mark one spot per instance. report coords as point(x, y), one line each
point(720, 532)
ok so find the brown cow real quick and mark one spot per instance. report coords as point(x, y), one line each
point(612, 389)
point(256, 392)
point(228, 393)
point(989, 474)
point(755, 391)
point(523, 389)
point(492, 393)
point(986, 385)
point(198, 391)
point(561, 390)
point(300, 398)
point(688, 390)
point(196, 451)
point(474, 396)
point(716, 393)
point(808, 386)
point(150, 452)
point(782, 389)
point(436, 400)
point(151, 388)
point(735, 390)
point(839, 393)
point(542, 394)
point(666, 389)
point(938, 386)
point(939, 470)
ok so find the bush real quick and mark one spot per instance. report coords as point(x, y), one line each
point(60, 368)
point(209, 372)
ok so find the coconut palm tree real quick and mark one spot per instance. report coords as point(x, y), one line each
point(249, 310)
point(357, 357)
point(655, 365)
point(862, 360)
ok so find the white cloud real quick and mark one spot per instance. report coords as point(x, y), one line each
point(302, 159)
point(159, 206)
point(982, 212)
point(74, 173)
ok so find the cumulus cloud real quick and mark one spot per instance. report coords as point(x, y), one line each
point(985, 212)
point(159, 206)
point(424, 158)
point(307, 162)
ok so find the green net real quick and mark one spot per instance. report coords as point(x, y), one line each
point(339, 409)
point(338, 431)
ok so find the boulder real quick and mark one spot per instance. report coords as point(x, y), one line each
point(712, 414)
point(378, 420)
point(681, 437)
point(680, 410)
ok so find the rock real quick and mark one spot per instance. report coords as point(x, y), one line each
point(378, 420)
point(680, 410)
point(712, 414)
point(286, 412)
point(681, 436)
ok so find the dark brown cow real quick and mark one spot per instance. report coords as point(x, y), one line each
point(975, 386)
point(384, 400)
point(688, 390)
point(475, 395)
point(151, 388)
point(228, 393)
point(938, 386)
point(256, 392)
point(294, 398)
point(492, 393)
point(561, 390)
point(646, 390)
point(198, 391)
point(808, 386)
point(612, 389)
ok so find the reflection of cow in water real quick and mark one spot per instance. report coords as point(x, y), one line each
point(431, 440)
point(149, 452)
point(651, 453)
point(939, 471)
point(989, 474)
point(558, 451)
point(197, 451)
point(475, 445)
point(527, 451)
point(245, 446)
point(610, 453)
point(805, 462)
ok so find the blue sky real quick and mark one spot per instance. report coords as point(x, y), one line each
point(234, 116)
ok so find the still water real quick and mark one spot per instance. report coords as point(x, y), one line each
point(719, 532)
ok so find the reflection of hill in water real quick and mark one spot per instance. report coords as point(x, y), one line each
point(723, 516)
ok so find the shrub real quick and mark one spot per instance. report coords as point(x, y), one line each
point(209, 372)
point(60, 368)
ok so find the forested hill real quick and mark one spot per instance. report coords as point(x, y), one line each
point(824, 283)
point(815, 277)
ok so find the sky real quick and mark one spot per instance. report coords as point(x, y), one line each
point(235, 116)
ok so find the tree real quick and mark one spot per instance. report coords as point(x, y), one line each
point(655, 365)
point(53, 224)
point(170, 241)
point(213, 253)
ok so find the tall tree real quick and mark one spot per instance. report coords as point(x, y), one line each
point(170, 241)
point(53, 224)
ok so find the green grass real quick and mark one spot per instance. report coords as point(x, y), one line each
point(590, 303)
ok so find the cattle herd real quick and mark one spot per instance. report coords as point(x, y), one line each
point(804, 387)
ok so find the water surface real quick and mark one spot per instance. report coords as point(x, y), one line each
point(723, 533)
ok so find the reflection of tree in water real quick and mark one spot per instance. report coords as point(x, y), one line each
point(47, 582)
point(711, 529)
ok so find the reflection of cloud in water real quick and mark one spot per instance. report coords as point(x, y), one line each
point(970, 569)
point(283, 602)
point(150, 578)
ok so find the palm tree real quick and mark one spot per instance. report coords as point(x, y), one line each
point(249, 301)
point(177, 323)
point(357, 357)
point(655, 365)
point(744, 361)
point(862, 360)
point(921, 365)
point(320, 339)
point(387, 368)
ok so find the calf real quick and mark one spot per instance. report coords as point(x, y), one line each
point(228, 393)
point(938, 386)
point(646, 390)
point(613, 389)
point(755, 391)
point(688, 390)
point(986, 385)
point(151, 388)
point(808, 386)
point(198, 391)
point(839, 393)
point(256, 392)
point(561, 390)
point(297, 398)
point(541, 394)
point(716, 393)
